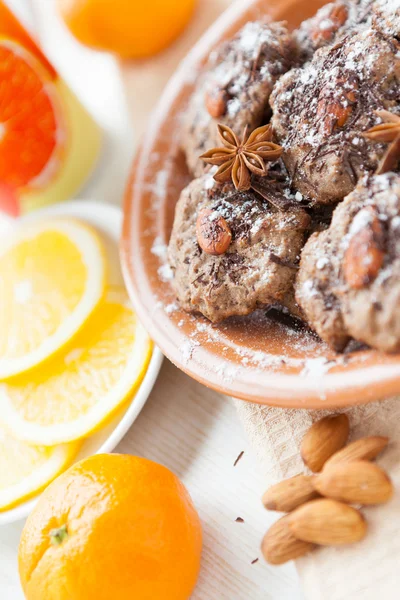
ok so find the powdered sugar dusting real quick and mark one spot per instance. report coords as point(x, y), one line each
point(165, 273)
point(316, 367)
point(360, 221)
point(187, 349)
point(160, 249)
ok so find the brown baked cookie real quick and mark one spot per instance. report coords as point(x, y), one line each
point(370, 289)
point(330, 23)
point(386, 16)
point(235, 87)
point(315, 284)
point(261, 254)
point(320, 113)
point(349, 278)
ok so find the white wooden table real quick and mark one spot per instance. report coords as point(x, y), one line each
point(190, 429)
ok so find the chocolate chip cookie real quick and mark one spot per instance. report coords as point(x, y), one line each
point(349, 279)
point(320, 113)
point(232, 252)
point(386, 16)
point(235, 87)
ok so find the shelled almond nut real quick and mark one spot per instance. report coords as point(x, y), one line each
point(213, 233)
point(216, 103)
point(279, 545)
point(364, 256)
point(336, 19)
point(327, 522)
point(358, 482)
point(366, 448)
point(323, 439)
point(334, 110)
point(290, 493)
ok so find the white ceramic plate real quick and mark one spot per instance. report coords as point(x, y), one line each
point(107, 220)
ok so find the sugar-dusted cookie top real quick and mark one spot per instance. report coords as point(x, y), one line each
point(235, 86)
point(320, 113)
point(249, 250)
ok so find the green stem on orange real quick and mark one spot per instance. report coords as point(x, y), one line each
point(59, 535)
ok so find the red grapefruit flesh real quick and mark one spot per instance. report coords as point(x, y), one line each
point(28, 122)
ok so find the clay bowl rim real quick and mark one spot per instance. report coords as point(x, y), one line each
point(377, 379)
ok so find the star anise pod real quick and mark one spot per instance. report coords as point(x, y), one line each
point(387, 132)
point(237, 159)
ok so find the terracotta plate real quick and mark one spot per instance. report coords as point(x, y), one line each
point(253, 358)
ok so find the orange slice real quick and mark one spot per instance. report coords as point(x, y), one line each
point(81, 387)
point(30, 129)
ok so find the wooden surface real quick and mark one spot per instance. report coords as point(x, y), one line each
point(190, 429)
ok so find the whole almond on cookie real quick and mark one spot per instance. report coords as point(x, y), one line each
point(364, 256)
point(213, 233)
point(366, 448)
point(216, 103)
point(327, 522)
point(290, 493)
point(358, 482)
point(324, 438)
point(327, 28)
point(334, 112)
point(280, 545)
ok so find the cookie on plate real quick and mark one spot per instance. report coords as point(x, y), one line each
point(320, 113)
point(232, 252)
point(235, 87)
point(386, 16)
point(330, 23)
point(349, 278)
point(316, 287)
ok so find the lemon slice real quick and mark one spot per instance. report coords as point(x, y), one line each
point(52, 275)
point(26, 469)
point(78, 389)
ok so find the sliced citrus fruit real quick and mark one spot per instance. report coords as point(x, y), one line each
point(14, 30)
point(31, 133)
point(27, 469)
point(77, 390)
point(52, 275)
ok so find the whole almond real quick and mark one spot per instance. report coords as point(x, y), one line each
point(324, 438)
point(334, 111)
point(366, 448)
point(327, 522)
point(358, 482)
point(364, 256)
point(216, 103)
point(336, 19)
point(289, 494)
point(213, 233)
point(280, 545)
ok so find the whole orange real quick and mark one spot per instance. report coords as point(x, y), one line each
point(112, 527)
point(129, 28)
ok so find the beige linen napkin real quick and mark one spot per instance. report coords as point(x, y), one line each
point(369, 570)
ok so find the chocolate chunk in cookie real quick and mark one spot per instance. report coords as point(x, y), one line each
point(256, 267)
point(322, 111)
point(235, 87)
